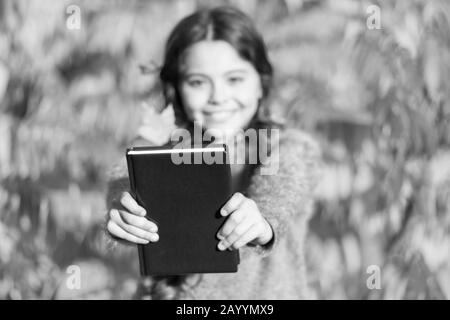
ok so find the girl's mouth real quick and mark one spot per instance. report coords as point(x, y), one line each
point(219, 114)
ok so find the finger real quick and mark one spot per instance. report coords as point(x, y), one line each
point(131, 205)
point(250, 235)
point(236, 234)
point(232, 204)
point(138, 232)
point(139, 222)
point(117, 231)
point(233, 220)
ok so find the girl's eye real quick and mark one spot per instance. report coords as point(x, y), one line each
point(235, 80)
point(196, 83)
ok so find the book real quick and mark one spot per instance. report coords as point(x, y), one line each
point(184, 200)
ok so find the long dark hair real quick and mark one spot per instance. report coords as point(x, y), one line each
point(220, 23)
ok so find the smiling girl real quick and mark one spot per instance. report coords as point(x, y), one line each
point(216, 74)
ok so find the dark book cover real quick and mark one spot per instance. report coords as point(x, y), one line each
point(184, 201)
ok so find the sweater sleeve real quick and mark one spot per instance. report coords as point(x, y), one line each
point(288, 192)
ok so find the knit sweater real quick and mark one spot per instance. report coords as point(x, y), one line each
point(276, 270)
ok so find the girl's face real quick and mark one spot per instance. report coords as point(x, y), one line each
point(218, 88)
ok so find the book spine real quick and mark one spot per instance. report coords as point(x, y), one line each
point(131, 176)
point(237, 256)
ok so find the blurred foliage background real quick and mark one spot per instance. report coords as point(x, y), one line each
point(378, 100)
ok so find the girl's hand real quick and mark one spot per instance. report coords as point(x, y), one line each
point(127, 221)
point(245, 224)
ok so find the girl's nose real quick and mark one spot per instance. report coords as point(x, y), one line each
point(219, 93)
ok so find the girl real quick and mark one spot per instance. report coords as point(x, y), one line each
point(217, 74)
